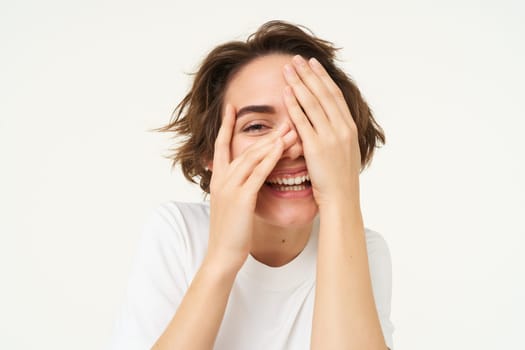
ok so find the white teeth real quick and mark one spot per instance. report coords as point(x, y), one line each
point(290, 181)
point(291, 188)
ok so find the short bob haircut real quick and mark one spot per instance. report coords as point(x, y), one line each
point(197, 118)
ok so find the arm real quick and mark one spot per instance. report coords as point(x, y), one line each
point(234, 187)
point(345, 315)
point(197, 320)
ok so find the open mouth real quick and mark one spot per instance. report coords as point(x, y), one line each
point(289, 183)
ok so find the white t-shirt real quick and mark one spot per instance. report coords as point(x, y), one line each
point(269, 308)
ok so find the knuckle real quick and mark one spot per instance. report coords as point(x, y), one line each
point(258, 172)
point(297, 111)
point(296, 85)
point(235, 163)
point(353, 128)
point(310, 105)
point(309, 75)
point(248, 197)
point(325, 94)
point(337, 92)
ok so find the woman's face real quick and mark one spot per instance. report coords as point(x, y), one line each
point(256, 93)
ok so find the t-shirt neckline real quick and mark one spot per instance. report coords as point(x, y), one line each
point(301, 269)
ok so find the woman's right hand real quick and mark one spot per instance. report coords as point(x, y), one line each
point(234, 187)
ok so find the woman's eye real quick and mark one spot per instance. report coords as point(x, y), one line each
point(256, 127)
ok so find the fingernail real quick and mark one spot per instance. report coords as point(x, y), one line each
point(298, 60)
point(315, 63)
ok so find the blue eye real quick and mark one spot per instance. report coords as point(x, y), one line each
point(256, 127)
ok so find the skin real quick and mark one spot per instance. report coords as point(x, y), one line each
point(261, 83)
point(309, 120)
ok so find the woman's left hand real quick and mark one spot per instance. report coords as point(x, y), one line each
point(328, 132)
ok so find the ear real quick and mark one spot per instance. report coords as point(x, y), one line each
point(209, 165)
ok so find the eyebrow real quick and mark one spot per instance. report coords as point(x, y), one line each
point(255, 109)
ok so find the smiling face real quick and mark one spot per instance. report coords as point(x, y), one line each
point(256, 92)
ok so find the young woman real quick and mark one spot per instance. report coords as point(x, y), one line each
point(279, 258)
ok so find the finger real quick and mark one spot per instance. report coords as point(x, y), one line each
point(332, 88)
point(283, 129)
point(326, 98)
point(242, 167)
point(301, 122)
point(259, 175)
point(306, 99)
point(222, 156)
point(290, 138)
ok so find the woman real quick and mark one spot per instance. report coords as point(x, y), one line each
point(279, 258)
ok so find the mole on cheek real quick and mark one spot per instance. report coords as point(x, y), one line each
point(283, 241)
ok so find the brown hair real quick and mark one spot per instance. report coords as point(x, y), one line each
point(197, 118)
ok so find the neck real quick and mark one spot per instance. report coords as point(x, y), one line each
point(275, 245)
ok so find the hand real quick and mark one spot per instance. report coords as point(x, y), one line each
point(234, 187)
point(330, 141)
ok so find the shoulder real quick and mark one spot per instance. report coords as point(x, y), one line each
point(170, 247)
point(380, 265)
point(179, 212)
point(380, 262)
point(172, 217)
point(179, 228)
point(375, 242)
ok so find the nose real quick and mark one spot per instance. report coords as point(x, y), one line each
point(295, 150)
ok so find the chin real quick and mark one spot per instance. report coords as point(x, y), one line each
point(287, 213)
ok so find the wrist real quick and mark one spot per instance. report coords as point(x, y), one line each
point(342, 202)
point(344, 194)
point(222, 265)
point(341, 212)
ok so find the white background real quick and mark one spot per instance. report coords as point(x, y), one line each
point(81, 82)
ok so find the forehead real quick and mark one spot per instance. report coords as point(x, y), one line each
point(259, 81)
